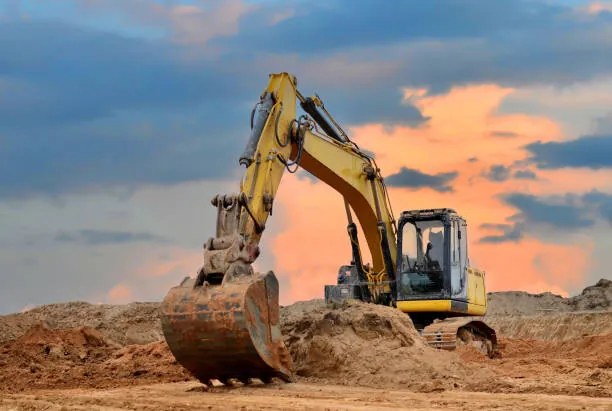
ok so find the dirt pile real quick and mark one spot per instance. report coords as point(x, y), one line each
point(368, 345)
point(134, 323)
point(81, 357)
point(553, 326)
point(547, 316)
point(138, 323)
point(580, 366)
point(595, 297)
point(355, 344)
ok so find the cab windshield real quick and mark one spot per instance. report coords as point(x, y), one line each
point(422, 257)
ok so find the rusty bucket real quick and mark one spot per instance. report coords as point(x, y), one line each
point(231, 330)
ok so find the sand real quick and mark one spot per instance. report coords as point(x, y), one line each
point(597, 297)
point(352, 356)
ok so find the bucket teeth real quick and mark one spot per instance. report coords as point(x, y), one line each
point(267, 379)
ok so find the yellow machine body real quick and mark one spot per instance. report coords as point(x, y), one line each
point(223, 324)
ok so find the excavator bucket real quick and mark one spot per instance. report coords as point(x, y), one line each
point(227, 331)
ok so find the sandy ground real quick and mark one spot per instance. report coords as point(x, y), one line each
point(596, 297)
point(298, 396)
point(357, 356)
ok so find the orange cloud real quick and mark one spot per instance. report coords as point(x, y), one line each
point(177, 262)
point(598, 7)
point(533, 266)
point(311, 242)
point(194, 24)
point(120, 294)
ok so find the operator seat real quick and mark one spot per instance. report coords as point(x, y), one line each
point(436, 253)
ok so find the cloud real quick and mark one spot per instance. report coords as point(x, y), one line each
point(509, 232)
point(602, 201)
point(604, 124)
point(115, 111)
point(498, 172)
point(105, 110)
point(111, 111)
point(535, 266)
point(405, 21)
point(580, 107)
point(197, 24)
point(120, 294)
point(168, 225)
point(597, 7)
point(589, 151)
point(411, 178)
point(102, 237)
point(11, 9)
point(192, 22)
point(359, 106)
point(440, 44)
point(504, 134)
point(98, 75)
point(560, 214)
point(525, 175)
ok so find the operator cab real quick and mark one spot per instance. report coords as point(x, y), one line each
point(433, 277)
point(432, 255)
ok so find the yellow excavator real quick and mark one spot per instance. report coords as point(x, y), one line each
point(224, 323)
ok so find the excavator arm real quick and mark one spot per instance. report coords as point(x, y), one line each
point(315, 145)
point(225, 323)
point(279, 141)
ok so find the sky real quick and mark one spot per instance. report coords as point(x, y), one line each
point(120, 119)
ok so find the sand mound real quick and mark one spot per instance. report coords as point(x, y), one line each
point(595, 297)
point(366, 344)
point(134, 323)
point(83, 345)
point(138, 323)
point(77, 357)
point(546, 316)
point(553, 326)
point(580, 366)
point(596, 347)
point(353, 344)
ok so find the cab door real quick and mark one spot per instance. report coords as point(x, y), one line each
point(458, 259)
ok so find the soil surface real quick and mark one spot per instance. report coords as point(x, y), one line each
point(596, 297)
point(299, 396)
point(134, 323)
point(353, 356)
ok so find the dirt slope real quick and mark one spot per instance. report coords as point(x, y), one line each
point(81, 357)
point(355, 344)
point(580, 366)
point(557, 326)
point(134, 323)
point(595, 297)
point(138, 323)
point(367, 345)
point(79, 345)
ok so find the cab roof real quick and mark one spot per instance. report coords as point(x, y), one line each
point(442, 214)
